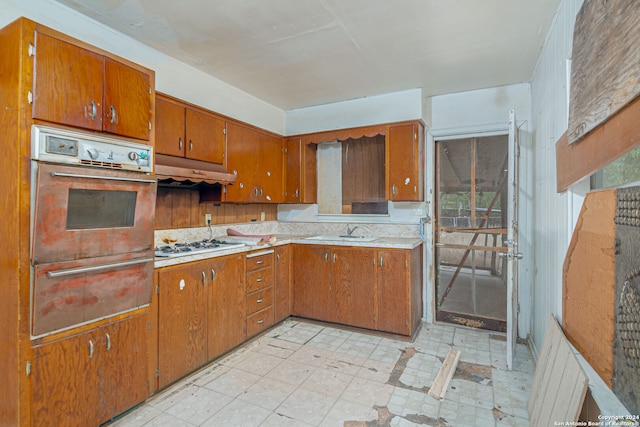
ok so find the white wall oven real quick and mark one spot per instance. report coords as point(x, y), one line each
point(93, 204)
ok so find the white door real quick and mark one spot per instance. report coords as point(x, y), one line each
point(512, 254)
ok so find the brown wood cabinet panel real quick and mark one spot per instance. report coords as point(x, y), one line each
point(182, 340)
point(259, 300)
point(300, 171)
point(259, 279)
point(393, 292)
point(256, 157)
point(352, 286)
point(204, 136)
point(405, 162)
point(65, 382)
point(259, 261)
point(127, 101)
point(169, 127)
point(226, 304)
point(282, 297)
point(311, 281)
point(67, 84)
point(259, 321)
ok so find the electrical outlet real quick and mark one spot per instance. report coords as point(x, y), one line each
point(207, 219)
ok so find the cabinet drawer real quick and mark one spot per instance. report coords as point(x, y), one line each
point(258, 300)
point(259, 321)
point(259, 279)
point(259, 261)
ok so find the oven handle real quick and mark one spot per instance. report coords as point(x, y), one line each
point(79, 270)
point(75, 175)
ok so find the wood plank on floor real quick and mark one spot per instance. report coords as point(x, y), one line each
point(448, 368)
point(559, 383)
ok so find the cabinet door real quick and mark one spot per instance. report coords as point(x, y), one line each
point(65, 382)
point(182, 341)
point(352, 286)
point(125, 383)
point(169, 128)
point(127, 100)
point(205, 136)
point(67, 86)
point(270, 175)
point(282, 300)
point(226, 304)
point(393, 292)
point(311, 281)
point(406, 162)
point(241, 160)
point(293, 170)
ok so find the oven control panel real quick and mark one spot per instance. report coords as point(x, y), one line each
point(71, 147)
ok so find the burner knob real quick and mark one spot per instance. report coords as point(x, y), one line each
point(133, 155)
point(93, 153)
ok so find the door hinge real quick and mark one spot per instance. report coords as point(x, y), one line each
point(224, 131)
point(518, 308)
point(149, 325)
point(149, 125)
point(149, 90)
point(157, 372)
point(31, 50)
point(157, 289)
point(28, 368)
point(30, 97)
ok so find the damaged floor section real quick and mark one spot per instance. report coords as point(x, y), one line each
point(306, 374)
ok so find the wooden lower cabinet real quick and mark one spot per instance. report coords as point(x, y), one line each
point(364, 287)
point(282, 297)
point(312, 281)
point(89, 378)
point(201, 309)
point(352, 286)
point(259, 291)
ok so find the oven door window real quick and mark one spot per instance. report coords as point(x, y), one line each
point(100, 209)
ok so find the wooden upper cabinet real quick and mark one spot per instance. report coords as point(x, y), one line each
point(204, 136)
point(67, 86)
point(405, 166)
point(300, 171)
point(186, 131)
point(127, 100)
point(78, 87)
point(255, 156)
point(169, 127)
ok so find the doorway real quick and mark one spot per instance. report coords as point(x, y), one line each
point(471, 230)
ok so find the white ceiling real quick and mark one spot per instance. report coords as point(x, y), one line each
point(299, 53)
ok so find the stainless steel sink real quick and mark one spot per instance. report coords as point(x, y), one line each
point(343, 238)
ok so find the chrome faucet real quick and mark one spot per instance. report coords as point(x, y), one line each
point(350, 230)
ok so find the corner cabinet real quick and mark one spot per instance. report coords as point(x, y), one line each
point(255, 156)
point(370, 288)
point(187, 131)
point(405, 161)
point(79, 87)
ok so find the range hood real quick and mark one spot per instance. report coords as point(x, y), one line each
point(181, 172)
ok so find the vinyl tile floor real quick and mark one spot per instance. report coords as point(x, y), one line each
point(308, 374)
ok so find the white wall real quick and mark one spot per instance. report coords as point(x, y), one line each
point(555, 214)
point(487, 111)
point(371, 110)
point(172, 77)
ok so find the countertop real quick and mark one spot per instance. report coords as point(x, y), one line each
point(285, 239)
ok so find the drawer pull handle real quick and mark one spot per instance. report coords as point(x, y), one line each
point(260, 279)
point(259, 262)
point(260, 322)
point(260, 301)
